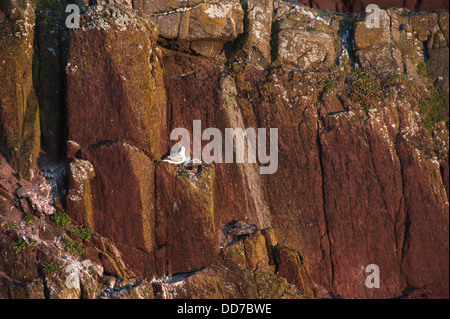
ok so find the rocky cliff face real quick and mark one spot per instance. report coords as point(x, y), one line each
point(89, 210)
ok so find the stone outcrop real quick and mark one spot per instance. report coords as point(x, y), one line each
point(302, 39)
point(362, 118)
point(200, 26)
point(255, 42)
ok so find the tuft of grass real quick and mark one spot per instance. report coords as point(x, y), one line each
point(331, 86)
point(11, 225)
point(400, 80)
point(20, 245)
point(422, 69)
point(395, 79)
point(435, 108)
point(29, 219)
point(52, 5)
point(23, 4)
point(82, 232)
point(61, 219)
point(92, 271)
point(73, 247)
point(16, 202)
point(364, 88)
point(51, 267)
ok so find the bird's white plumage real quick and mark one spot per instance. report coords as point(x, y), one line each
point(177, 156)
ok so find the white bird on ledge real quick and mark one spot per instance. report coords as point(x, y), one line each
point(177, 157)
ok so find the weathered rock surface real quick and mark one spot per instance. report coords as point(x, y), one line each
point(124, 182)
point(19, 108)
point(255, 42)
point(186, 237)
point(79, 199)
point(201, 26)
point(119, 113)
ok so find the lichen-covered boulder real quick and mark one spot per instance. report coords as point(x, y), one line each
point(201, 27)
point(303, 38)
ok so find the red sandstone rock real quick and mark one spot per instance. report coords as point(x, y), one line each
point(73, 149)
point(111, 95)
point(294, 266)
point(124, 182)
point(185, 231)
point(424, 262)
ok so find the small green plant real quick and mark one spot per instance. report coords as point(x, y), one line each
point(20, 245)
point(310, 29)
point(92, 271)
point(29, 219)
point(422, 69)
point(16, 202)
point(32, 241)
point(434, 109)
point(23, 4)
point(61, 219)
point(342, 65)
point(331, 86)
point(364, 88)
point(52, 5)
point(82, 232)
point(399, 80)
point(394, 79)
point(10, 225)
point(73, 247)
point(51, 267)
